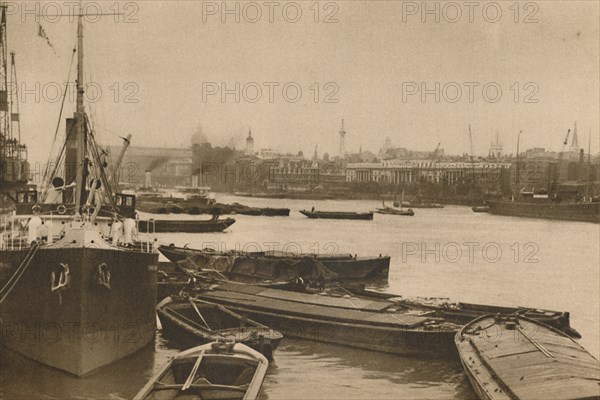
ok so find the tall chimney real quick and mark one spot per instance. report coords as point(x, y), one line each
point(148, 179)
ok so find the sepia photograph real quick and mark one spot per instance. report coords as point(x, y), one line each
point(300, 200)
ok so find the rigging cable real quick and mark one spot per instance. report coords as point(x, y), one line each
point(94, 147)
point(10, 284)
point(60, 116)
point(56, 166)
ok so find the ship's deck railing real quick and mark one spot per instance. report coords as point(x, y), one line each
point(14, 235)
point(150, 230)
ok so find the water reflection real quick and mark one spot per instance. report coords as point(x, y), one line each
point(22, 378)
point(311, 370)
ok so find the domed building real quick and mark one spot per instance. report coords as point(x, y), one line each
point(199, 137)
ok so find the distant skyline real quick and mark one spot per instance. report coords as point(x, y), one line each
point(369, 63)
point(496, 143)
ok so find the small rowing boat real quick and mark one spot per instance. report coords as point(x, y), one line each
point(213, 371)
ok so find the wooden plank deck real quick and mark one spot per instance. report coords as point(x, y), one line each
point(538, 362)
point(334, 314)
point(339, 302)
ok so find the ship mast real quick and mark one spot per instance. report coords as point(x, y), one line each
point(14, 113)
point(589, 166)
point(517, 177)
point(6, 143)
point(80, 120)
point(560, 160)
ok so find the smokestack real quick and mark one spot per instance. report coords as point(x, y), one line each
point(148, 178)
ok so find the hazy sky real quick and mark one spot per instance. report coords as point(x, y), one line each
point(372, 55)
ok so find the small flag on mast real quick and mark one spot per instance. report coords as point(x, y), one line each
point(43, 35)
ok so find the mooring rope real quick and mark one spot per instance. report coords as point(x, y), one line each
point(8, 287)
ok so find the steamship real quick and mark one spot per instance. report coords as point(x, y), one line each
point(547, 209)
point(75, 294)
point(551, 204)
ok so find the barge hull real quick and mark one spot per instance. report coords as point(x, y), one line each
point(387, 340)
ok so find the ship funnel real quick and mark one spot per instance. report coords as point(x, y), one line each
point(148, 178)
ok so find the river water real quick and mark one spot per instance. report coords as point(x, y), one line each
point(450, 252)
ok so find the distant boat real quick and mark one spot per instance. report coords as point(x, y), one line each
point(264, 212)
point(512, 357)
point(201, 196)
point(481, 209)
point(199, 322)
point(187, 226)
point(422, 205)
point(584, 212)
point(277, 265)
point(395, 211)
point(542, 204)
point(337, 215)
point(214, 371)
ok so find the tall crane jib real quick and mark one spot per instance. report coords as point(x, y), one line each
point(14, 168)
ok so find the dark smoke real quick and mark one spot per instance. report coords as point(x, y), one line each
point(157, 162)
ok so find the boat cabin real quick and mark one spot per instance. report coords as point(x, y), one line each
point(28, 204)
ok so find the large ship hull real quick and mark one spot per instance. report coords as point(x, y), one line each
point(585, 212)
point(95, 319)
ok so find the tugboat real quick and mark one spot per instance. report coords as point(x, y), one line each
point(395, 210)
point(71, 297)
